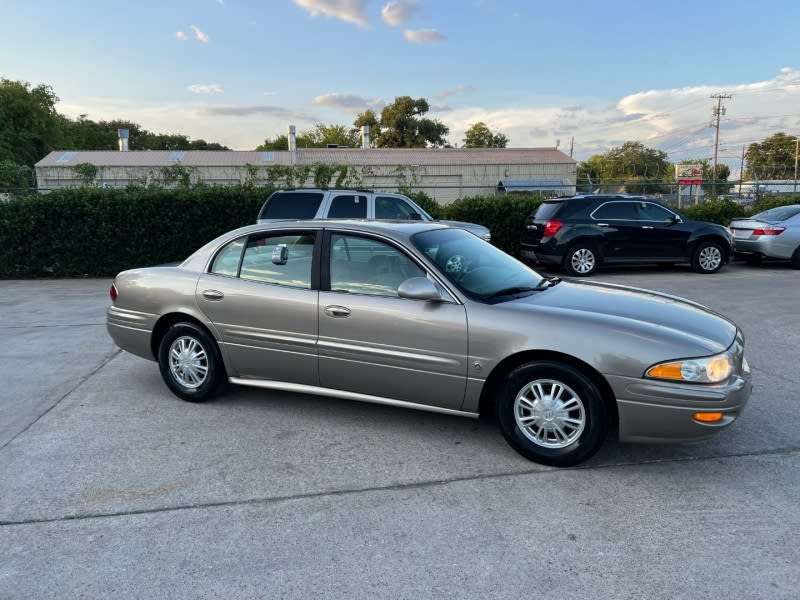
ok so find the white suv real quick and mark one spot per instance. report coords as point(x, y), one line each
point(351, 204)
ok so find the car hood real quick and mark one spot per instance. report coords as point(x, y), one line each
point(633, 311)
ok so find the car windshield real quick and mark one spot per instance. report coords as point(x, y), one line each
point(478, 269)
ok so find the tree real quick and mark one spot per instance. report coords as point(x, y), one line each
point(402, 125)
point(201, 144)
point(15, 176)
point(28, 121)
point(771, 159)
point(638, 168)
point(370, 119)
point(590, 173)
point(341, 135)
point(480, 136)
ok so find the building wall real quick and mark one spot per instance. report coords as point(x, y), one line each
point(445, 183)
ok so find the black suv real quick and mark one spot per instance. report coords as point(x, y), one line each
point(580, 233)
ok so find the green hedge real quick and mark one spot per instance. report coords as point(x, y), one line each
point(90, 232)
point(87, 232)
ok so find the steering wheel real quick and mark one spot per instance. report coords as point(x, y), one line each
point(456, 265)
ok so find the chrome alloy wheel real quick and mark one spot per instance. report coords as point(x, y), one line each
point(582, 260)
point(188, 362)
point(549, 413)
point(709, 258)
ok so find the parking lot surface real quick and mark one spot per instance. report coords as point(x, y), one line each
point(112, 487)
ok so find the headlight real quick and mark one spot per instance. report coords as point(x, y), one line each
point(708, 369)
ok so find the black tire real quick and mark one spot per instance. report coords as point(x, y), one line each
point(796, 258)
point(562, 434)
point(708, 258)
point(189, 361)
point(581, 260)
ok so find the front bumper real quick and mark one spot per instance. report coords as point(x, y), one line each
point(661, 411)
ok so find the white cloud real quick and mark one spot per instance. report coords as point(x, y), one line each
point(181, 35)
point(673, 120)
point(398, 13)
point(452, 91)
point(352, 11)
point(348, 102)
point(423, 36)
point(200, 35)
point(221, 2)
point(205, 88)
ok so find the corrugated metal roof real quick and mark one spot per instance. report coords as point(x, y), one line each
point(310, 156)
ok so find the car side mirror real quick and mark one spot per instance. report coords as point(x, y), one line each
point(280, 254)
point(415, 216)
point(676, 219)
point(419, 288)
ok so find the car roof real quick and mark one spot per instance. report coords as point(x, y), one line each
point(336, 190)
point(400, 228)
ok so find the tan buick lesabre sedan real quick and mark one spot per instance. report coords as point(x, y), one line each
point(425, 316)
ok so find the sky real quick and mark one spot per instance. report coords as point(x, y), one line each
point(584, 75)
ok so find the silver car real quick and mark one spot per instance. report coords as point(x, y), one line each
point(426, 316)
point(774, 233)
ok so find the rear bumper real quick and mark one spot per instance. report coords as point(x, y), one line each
point(766, 248)
point(131, 330)
point(534, 254)
point(660, 411)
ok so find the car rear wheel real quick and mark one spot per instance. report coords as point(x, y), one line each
point(189, 361)
point(796, 258)
point(552, 414)
point(708, 258)
point(580, 260)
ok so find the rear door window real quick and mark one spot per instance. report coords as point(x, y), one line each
point(615, 211)
point(292, 205)
point(348, 207)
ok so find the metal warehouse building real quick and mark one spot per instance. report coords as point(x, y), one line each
point(445, 174)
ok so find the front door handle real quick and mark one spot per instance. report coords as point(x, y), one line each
point(602, 224)
point(647, 227)
point(338, 312)
point(213, 295)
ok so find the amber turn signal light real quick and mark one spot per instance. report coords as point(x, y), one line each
point(707, 417)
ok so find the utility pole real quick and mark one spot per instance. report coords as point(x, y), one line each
point(741, 173)
point(796, 146)
point(717, 112)
point(572, 145)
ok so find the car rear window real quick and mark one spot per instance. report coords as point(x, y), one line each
point(547, 210)
point(779, 213)
point(292, 205)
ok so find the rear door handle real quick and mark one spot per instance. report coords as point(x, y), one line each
point(213, 295)
point(647, 227)
point(602, 224)
point(337, 312)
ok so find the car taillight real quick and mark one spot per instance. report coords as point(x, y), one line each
point(551, 228)
point(113, 292)
point(769, 231)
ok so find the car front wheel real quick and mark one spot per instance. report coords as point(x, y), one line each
point(189, 362)
point(708, 258)
point(551, 413)
point(580, 260)
point(796, 258)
